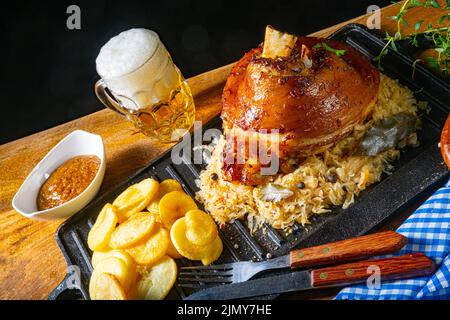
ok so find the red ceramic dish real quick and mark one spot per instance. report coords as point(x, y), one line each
point(445, 142)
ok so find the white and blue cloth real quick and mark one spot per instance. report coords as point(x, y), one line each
point(428, 231)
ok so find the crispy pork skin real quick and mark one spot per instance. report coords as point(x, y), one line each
point(313, 98)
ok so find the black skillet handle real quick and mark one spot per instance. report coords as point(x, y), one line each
point(59, 290)
point(406, 46)
point(422, 43)
point(63, 292)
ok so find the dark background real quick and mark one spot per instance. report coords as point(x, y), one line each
point(49, 71)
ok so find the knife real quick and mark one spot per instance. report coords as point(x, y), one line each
point(400, 267)
point(353, 249)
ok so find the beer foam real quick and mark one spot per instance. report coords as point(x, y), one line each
point(126, 52)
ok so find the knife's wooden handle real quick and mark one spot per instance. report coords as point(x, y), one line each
point(406, 266)
point(348, 250)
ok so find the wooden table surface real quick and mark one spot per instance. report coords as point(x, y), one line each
point(31, 264)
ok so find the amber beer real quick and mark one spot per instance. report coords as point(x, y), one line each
point(140, 81)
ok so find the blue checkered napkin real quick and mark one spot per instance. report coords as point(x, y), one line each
point(428, 231)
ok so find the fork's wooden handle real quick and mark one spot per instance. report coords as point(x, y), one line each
point(348, 250)
point(406, 266)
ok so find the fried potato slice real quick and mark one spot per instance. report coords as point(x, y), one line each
point(186, 248)
point(169, 185)
point(132, 231)
point(135, 198)
point(98, 256)
point(104, 286)
point(153, 207)
point(215, 250)
point(165, 187)
point(200, 228)
point(156, 281)
point(153, 249)
point(277, 44)
point(156, 216)
point(173, 206)
point(123, 271)
point(101, 231)
point(172, 251)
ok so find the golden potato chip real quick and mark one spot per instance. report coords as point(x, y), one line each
point(169, 185)
point(156, 281)
point(172, 251)
point(173, 206)
point(153, 249)
point(101, 231)
point(135, 199)
point(165, 187)
point(153, 207)
point(104, 286)
point(98, 256)
point(125, 273)
point(200, 228)
point(214, 253)
point(183, 245)
point(156, 216)
point(132, 231)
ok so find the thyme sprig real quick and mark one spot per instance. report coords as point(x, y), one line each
point(323, 45)
point(438, 34)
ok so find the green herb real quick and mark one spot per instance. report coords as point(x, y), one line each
point(437, 33)
point(325, 46)
point(387, 133)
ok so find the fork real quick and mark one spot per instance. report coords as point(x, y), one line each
point(335, 252)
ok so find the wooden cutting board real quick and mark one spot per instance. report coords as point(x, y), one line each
point(31, 264)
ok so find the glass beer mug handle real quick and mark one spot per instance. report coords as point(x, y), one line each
point(108, 101)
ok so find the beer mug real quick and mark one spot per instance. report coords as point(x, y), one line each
point(140, 81)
